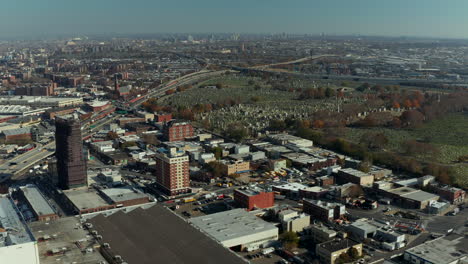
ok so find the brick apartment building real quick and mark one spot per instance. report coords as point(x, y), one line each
point(172, 172)
point(36, 91)
point(177, 130)
point(163, 117)
point(251, 199)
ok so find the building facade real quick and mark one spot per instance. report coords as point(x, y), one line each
point(71, 163)
point(172, 172)
point(231, 167)
point(177, 131)
point(323, 211)
point(251, 199)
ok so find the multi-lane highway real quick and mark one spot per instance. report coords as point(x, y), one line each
point(21, 163)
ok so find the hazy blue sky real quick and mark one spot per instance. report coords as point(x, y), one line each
point(437, 18)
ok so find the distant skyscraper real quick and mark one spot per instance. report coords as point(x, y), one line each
point(71, 163)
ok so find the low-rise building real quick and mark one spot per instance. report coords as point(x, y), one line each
point(319, 233)
point(42, 210)
point(323, 211)
point(17, 244)
point(250, 198)
point(448, 249)
point(232, 167)
point(289, 189)
point(124, 196)
point(409, 197)
point(237, 229)
point(292, 221)
point(328, 252)
point(451, 194)
point(354, 176)
point(84, 200)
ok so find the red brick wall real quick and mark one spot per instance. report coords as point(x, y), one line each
point(261, 200)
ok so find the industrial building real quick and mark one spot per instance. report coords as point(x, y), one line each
point(237, 229)
point(448, 249)
point(125, 196)
point(84, 201)
point(157, 235)
point(284, 139)
point(21, 110)
point(18, 134)
point(17, 244)
point(63, 239)
point(71, 163)
point(172, 172)
point(408, 197)
point(323, 211)
point(354, 176)
point(41, 209)
point(41, 101)
point(251, 198)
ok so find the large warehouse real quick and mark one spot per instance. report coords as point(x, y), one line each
point(237, 229)
point(17, 244)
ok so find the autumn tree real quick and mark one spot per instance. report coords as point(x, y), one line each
point(412, 118)
point(318, 123)
point(374, 140)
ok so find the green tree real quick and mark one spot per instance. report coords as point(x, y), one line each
point(290, 239)
point(354, 253)
point(329, 92)
point(216, 169)
point(218, 152)
point(237, 132)
point(364, 166)
point(277, 125)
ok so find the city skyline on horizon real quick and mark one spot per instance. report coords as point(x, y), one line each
point(428, 19)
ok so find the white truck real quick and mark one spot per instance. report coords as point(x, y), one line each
point(269, 250)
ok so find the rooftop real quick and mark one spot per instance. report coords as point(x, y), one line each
point(322, 204)
point(156, 235)
point(66, 232)
point(85, 198)
point(420, 196)
point(292, 186)
point(337, 244)
point(16, 230)
point(123, 194)
point(231, 224)
point(443, 250)
point(37, 200)
point(356, 173)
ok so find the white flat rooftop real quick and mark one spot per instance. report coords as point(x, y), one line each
point(232, 224)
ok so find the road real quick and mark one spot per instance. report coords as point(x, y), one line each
point(27, 160)
point(263, 67)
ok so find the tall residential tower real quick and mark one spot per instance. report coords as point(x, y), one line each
point(172, 172)
point(71, 163)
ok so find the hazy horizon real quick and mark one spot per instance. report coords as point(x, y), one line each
point(417, 18)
